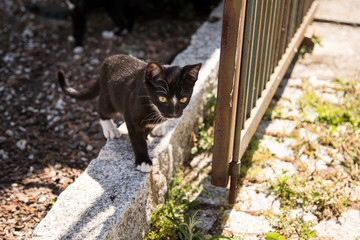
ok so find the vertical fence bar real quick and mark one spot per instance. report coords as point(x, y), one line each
point(278, 31)
point(264, 47)
point(231, 45)
point(271, 33)
point(285, 27)
point(254, 50)
point(245, 59)
point(259, 53)
point(273, 36)
point(248, 54)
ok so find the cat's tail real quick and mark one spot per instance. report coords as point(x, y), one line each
point(92, 92)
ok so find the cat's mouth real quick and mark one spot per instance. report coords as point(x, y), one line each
point(171, 115)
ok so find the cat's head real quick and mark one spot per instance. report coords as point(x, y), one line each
point(170, 87)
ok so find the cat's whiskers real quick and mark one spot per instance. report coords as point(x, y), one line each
point(151, 117)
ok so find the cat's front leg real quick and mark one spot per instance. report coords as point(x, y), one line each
point(109, 129)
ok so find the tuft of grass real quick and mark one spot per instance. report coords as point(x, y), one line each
point(274, 236)
point(176, 203)
point(170, 220)
point(287, 227)
point(319, 196)
point(316, 110)
point(309, 48)
point(339, 123)
point(204, 137)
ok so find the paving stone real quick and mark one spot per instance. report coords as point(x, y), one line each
point(288, 109)
point(322, 152)
point(212, 195)
point(328, 97)
point(206, 219)
point(275, 169)
point(330, 10)
point(355, 193)
point(308, 135)
point(290, 93)
point(253, 198)
point(291, 82)
point(276, 148)
point(241, 223)
point(313, 164)
point(324, 84)
point(339, 54)
point(304, 216)
point(277, 127)
point(346, 227)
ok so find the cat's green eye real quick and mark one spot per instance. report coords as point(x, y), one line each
point(162, 99)
point(183, 100)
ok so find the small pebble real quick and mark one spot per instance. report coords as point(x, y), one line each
point(21, 144)
point(78, 49)
point(9, 133)
point(42, 199)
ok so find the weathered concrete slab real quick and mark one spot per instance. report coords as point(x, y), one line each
point(111, 200)
point(344, 228)
point(244, 224)
point(339, 55)
point(346, 12)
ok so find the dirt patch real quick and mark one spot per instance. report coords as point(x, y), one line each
point(46, 139)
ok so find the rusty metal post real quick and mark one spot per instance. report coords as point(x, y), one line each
point(231, 45)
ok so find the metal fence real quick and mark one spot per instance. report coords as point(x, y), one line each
point(259, 41)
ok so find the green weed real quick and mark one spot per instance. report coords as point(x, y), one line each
point(339, 123)
point(321, 197)
point(316, 110)
point(169, 220)
point(176, 203)
point(204, 140)
point(186, 229)
point(274, 236)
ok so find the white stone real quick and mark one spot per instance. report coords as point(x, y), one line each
point(241, 223)
point(276, 148)
point(346, 227)
point(78, 50)
point(42, 199)
point(251, 199)
point(108, 34)
point(277, 127)
point(21, 144)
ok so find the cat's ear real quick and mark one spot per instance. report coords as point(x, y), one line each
point(153, 72)
point(190, 72)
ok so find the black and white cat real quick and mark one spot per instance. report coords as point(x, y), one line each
point(144, 94)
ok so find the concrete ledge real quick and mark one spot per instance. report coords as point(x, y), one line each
point(111, 200)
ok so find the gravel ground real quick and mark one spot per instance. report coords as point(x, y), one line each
point(46, 139)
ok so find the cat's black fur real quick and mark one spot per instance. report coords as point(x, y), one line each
point(137, 91)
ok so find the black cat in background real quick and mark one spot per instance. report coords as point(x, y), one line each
point(120, 12)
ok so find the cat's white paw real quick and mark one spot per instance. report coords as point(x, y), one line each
point(144, 167)
point(109, 129)
point(123, 129)
point(159, 130)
